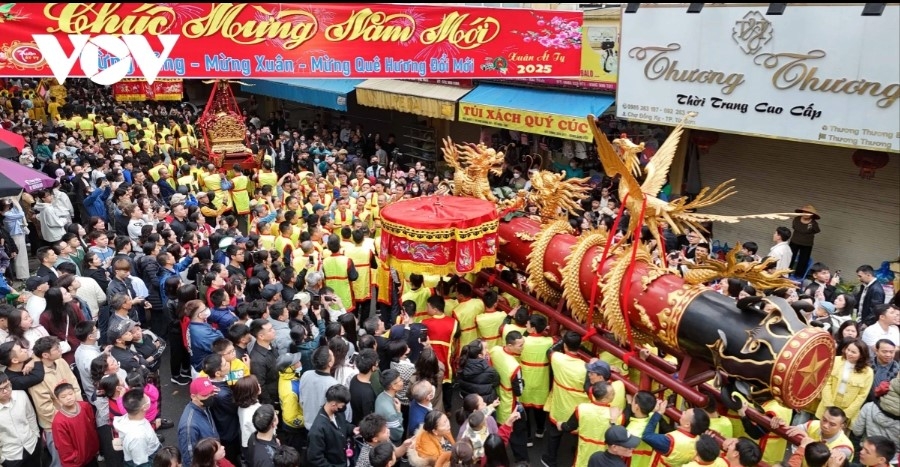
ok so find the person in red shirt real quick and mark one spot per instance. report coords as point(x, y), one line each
point(443, 334)
point(74, 429)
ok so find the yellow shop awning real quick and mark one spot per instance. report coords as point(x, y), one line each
point(558, 113)
point(425, 99)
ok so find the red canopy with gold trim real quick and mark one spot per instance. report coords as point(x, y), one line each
point(439, 235)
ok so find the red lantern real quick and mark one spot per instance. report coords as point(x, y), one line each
point(869, 161)
point(704, 139)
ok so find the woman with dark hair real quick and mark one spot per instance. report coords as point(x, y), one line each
point(253, 290)
point(849, 382)
point(81, 307)
point(96, 223)
point(109, 388)
point(80, 234)
point(209, 452)
point(167, 456)
point(246, 397)
point(495, 452)
point(179, 368)
point(343, 369)
point(348, 322)
point(476, 376)
point(430, 369)
point(92, 267)
point(844, 306)
point(60, 319)
point(847, 332)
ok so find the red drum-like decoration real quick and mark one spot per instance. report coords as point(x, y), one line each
point(704, 139)
point(869, 161)
point(439, 235)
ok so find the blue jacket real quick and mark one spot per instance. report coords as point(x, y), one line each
point(222, 317)
point(200, 337)
point(195, 424)
point(95, 203)
point(167, 273)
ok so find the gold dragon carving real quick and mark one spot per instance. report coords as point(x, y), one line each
point(556, 197)
point(471, 165)
point(752, 272)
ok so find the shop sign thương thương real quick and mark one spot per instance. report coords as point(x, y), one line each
point(108, 42)
point(818, 74)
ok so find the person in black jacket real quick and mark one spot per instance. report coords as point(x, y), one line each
point(224, 410)
point(476, 376)
point(331, 432)
point(265, 358)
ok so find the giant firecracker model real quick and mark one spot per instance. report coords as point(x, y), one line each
point(616, 286)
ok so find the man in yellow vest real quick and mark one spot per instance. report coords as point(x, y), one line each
point(240, 197)
point(642, 405)
point(707, 453)
point(535, 371)
point(600, 371)
point(418, 293)
point(506, 361)
point(339, 271)
point(829, 430)
point(489, 322)
point(283, 243)
point(568, 374)
point(516, 320)
point(86, 126)
point(676, 448)
point(466, 311)
point(591, 420)
point(186, 179)
point(772, 445)
point(364, 260)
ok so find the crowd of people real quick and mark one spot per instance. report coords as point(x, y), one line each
point(299, 347)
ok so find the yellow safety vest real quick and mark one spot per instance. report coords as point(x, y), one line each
point(841, 441)
point(336, 267)
point(568, 386)
point(420, 296)
point(109, 132)
point(681, 450)
point(69, 124)
point(268, 178)
point(643, 454)
point(489, 328)
point(619, 399)
point(77, 119)
point(190, 182)
point(593, 421)
point(154, 171)
point(513, 301)
point(362, 286)
point(535, 370)
point(86, 127)
point(465, 313)
point(342, 219)
point(772, 445)
point(508, 367)
point(509, 328)
point(283, 244)
point(267, 242)
point(300, 261)
point(721, 425)
point(213, 183)
point(239, 194)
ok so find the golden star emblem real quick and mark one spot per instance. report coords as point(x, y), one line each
point(810, 372)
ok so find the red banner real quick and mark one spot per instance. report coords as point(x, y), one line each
point(131, 90)
point(280, 40)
